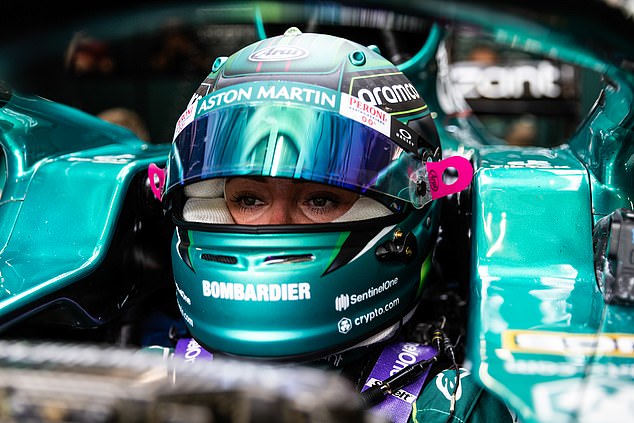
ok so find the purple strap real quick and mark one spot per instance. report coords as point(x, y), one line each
point(190, 350)
point(397, 406)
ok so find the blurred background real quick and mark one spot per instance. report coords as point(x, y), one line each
point(139, 68)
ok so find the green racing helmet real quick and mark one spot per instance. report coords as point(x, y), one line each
point(317, 108)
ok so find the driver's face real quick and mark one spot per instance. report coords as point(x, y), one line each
point(276, 201)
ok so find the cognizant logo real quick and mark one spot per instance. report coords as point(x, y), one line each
point(343, 301)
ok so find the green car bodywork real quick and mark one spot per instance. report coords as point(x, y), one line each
point(540, 333)
point(65, 177)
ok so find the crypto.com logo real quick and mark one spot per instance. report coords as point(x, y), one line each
point(344, 325)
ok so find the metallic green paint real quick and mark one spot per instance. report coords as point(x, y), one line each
point(534, 285)
point(342, 238)
point(233, 299)
point(424, 273)
point(67, 175)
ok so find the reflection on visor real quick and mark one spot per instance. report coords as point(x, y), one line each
point(295, 142)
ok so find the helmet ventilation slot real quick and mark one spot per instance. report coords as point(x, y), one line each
point(289, 258)
point(220, 258)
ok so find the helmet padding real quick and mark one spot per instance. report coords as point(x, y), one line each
point(209, 188)
point(207, 210)
point(206, 204)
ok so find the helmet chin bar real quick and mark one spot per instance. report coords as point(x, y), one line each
point(427, 183)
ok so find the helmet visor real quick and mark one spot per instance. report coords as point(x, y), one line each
point(285, 140)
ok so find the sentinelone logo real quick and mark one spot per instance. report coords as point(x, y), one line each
point(343, 301)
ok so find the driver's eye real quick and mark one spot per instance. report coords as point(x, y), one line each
point(248, 201)
point(319, 201)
